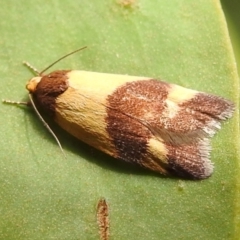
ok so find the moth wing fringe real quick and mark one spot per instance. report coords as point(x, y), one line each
point(190, 160)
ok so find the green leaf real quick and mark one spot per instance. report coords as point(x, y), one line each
point(46, 196)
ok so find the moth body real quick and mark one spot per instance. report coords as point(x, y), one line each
point(157, 125)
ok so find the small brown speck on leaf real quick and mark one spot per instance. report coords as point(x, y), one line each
point(102, 219)
point(127, 3)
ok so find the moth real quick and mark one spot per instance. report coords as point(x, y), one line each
point(158, 125)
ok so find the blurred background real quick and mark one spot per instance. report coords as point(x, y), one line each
point(232, 12)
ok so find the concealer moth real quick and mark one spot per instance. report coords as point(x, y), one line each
point(160, 126)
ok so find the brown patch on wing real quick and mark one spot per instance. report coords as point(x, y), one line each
point(49, 88)
point(210, 106)
point(127, 107)
point(141, 111)
point(194, 119)
point(190, 160)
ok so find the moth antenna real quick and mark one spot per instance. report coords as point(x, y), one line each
point(45, 124)
point(61, 58)
point(31, 68)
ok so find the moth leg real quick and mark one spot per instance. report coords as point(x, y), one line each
point(17, 102)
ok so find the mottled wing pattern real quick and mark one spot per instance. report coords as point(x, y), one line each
point(145, 116)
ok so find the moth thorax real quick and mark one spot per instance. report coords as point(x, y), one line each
point(32, 84)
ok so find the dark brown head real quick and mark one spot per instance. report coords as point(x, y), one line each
point(45, 89)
